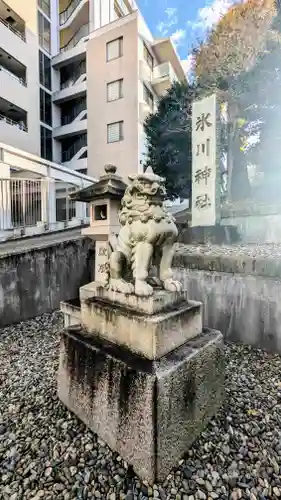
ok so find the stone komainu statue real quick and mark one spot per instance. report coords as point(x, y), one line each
point(147, 236)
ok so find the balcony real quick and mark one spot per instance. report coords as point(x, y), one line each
point(163, 77)
point(74, 149)
point(12, 115)
point(67, 16)
point(165, 51)
point(71, 129)
point(20, 125)
point(20, 34)
point(123, 7)
point(13, 80)
point(12, 33)
point(13, 89)
point(12, 75)
point(81, 33)
point(72, 74)
point(73, 110)
point(73, 83)
point(79, 160)
point(77, 90)
point(73, 119)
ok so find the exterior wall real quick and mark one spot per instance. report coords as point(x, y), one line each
point(145, 75)
point(255, 222)
point(27, 11)
point(26, 98)
point(123, 154)
point(129, 154)
point(35, 281)
point(240, 294)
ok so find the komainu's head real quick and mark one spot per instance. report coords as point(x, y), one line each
point(144, 192)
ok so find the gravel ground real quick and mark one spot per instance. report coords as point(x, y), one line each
point(265, 251)
point(46, 453)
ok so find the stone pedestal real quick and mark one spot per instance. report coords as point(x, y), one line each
point(149, 326)
point(141, 373)
point(148, 411)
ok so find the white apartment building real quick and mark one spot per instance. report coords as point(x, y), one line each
point(78, 78)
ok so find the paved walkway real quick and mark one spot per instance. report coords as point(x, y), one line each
point(18, 245)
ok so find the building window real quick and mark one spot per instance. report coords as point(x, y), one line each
point(114, 49)
point(46, 144)
point(114, 90)
point(148, 97)
point(45, 5)
point(148, 57)
point(45, 70)
point(115, 132)
point(44, 33)
point(45, 107)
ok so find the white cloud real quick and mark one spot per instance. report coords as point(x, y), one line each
point(161, 27)
point(172, 19)
point(178, 36)
point(209, 15)
point(171, 12)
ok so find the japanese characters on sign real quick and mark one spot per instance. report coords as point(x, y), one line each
point(204, 161)
point(101, 260)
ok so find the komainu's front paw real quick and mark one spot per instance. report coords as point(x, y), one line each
point(120, 285)
point(143, 289)
point(172, 286)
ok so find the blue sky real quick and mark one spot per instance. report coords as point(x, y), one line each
point(184, 20)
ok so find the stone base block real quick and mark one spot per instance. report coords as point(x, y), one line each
point(154, 304)
point(149, 412)
point(149, 335)
point(71, 311)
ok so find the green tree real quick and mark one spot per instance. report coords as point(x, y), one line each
point(169, 143)
point(240, 57)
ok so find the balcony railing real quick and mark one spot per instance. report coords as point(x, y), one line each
point(20, 125)
point(67, 118)
point(11, 28)
point(18, 78)
point(75, 75)
point(164, 70)
point(83, 31)
point(68, 154)
point(66, 13)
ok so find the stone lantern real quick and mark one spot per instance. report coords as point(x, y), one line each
point(104, 198)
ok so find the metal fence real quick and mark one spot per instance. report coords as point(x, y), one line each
point(65, 14)
point(13, 75)
point(11, 28)
point(80, 33)
point(20, 125)
point(37, 203)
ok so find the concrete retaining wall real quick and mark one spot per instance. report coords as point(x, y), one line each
point(34, 281)
point(241, 295)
